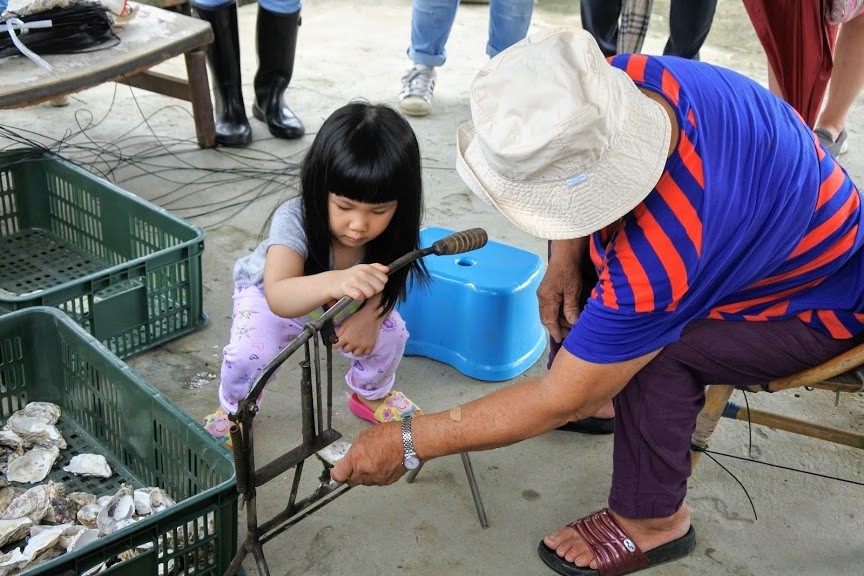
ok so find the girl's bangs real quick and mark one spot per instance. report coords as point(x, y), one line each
point(370, 184)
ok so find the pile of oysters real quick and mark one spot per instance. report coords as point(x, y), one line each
point(38, 519)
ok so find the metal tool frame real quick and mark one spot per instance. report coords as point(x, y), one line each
point(317, 429)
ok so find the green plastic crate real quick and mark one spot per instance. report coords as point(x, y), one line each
point(109, 409)
point(125, 269)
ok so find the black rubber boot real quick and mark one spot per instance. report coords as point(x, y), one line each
point(276, 41)
point(223, 55)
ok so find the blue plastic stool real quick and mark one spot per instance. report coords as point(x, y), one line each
point(479, 314)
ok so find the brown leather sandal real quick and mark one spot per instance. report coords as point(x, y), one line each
point(614, 551)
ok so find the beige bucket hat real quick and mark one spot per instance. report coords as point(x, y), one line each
point(560, 142)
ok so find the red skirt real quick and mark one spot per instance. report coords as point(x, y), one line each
point(799, 42)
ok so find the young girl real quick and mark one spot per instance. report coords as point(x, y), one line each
point(360, 207)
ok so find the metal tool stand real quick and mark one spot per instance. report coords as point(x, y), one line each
point(317, 430)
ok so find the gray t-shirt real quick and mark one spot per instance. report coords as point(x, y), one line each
point(286, 229)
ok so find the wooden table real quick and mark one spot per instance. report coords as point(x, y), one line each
point(150, 37)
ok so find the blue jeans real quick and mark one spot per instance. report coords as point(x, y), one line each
point(275, 6)
point(432, 20)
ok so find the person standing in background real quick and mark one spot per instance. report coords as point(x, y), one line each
point(689, 24)
point(431, 23)
point(276, 43)
point(846, 84)
point(814, 50)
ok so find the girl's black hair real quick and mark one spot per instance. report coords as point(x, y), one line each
point(367, 153)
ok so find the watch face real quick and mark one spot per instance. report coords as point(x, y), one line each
point(411, 461)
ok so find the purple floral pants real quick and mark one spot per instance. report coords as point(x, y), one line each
point(257, 336)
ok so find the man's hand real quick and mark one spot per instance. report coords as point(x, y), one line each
point(558, 293)
point(375, 459)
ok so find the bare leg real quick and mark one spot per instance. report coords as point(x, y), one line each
point(773, 85)
point(847, 77)
point(606, 411)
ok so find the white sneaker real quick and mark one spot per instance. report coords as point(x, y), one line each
point(415, 99)
point(836, 147)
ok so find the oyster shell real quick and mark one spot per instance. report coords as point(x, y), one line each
point(34, 466)
point(33, 503)
point(81, 499)
point(44, 556)
point(121, 507)
point(12, 530)
point(166, 569)
point(71, 532)
point(160, 500)
point(125, 522)
point(87, 515)
point(11, 439)
point(95, 569)
point(65, 527)
point(142, 502)
point(89, 465)
point(13, 561)
point(35, 431)
point(7, 494)
point(45, 411)
point(78, 536)
point(62, 509)
point(41, 541)
point(128, 554)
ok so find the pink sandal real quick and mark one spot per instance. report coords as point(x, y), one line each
point(395, 407)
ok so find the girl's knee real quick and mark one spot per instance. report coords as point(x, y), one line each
point(393, 333)
point(394, 323)
point(247, 360)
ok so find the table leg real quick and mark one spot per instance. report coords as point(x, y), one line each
point(199, 95)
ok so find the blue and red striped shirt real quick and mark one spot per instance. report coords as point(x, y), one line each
point(752, 220)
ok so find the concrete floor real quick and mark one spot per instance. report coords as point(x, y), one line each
point(145, 142)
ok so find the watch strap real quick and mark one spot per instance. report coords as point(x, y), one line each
point(407, 439)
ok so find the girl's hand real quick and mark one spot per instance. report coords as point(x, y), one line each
point(358, 334)
point(360, 282)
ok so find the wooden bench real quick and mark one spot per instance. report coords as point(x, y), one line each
point(153, 35)
point(835, 375)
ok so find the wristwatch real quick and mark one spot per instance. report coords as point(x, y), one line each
point(410, 459)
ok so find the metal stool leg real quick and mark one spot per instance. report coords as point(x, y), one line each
point(475, 492)
point(412, 475)
point(472, 483)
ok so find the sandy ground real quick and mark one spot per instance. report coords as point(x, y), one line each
point(145, 142)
